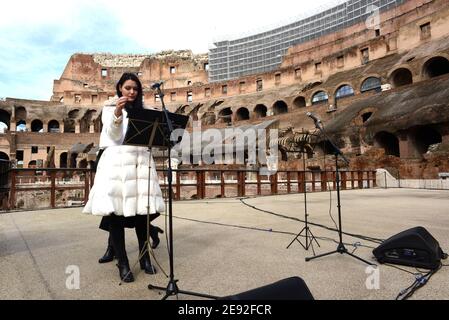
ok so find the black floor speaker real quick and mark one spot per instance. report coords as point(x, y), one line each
point(293, 288)
point(414, 247)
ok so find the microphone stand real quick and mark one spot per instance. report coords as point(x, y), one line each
point(172, 287)
point(341, 247)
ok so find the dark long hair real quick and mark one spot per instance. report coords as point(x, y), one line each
point(138, 102)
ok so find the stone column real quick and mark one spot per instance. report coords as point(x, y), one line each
point(61, 126)
point(92, 128)
point(405, 147)
point(77, 127)
point(12, 125)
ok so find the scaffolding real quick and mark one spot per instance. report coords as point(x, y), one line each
point(263, 52)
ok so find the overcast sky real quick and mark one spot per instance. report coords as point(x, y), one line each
point(38, 37)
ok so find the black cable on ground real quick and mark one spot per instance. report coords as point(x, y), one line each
point(366, 238)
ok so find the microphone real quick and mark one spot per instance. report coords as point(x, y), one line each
point(314, 117)
point(157, 85)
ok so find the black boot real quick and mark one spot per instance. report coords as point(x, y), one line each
point(117, 232)
point(154, 234)
point(109, 254)
point(145, 264)
point(125, 272)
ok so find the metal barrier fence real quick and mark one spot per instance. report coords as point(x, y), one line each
point(52, 188)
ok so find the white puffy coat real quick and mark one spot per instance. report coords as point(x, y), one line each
point(121, 180)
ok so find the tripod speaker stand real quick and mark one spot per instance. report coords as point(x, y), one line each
point(337, 152)
point(306, 230)
point(155, 128)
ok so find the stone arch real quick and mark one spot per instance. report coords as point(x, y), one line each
point(435, 67)
point(387, 141)
point(87, 120)
point(98, 125)
point(242, 114)
point(20, 113)
point(324, 148)
point(215, 105)
point(364, 115)
point(343, 91)
point(260, 111)
point(53, 126)
point(70, 122)
point(401, 77)
point(225, 116)
point(208, 119)
point(21, 126)
point(282, 154)
point(37, 126)
point(4, 156)
point(184, 109)
point(299, 102)
point(423, 137)
point(63, 160)
point(5, 118)
point(280, 107)
point(371, 83)
point(319, 96)
point(82, 164)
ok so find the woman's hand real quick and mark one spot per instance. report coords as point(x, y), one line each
point(121, 104)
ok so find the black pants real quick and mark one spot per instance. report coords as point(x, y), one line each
point(117, 234)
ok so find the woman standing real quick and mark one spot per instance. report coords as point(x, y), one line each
point(120, 190)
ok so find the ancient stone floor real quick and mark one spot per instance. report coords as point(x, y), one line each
point(223, 247)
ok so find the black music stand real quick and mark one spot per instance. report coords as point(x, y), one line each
point(152, 128)
point(308, 233)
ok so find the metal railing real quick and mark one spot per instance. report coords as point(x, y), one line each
point(187, 184)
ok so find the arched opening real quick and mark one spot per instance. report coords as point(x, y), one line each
point(20, 113)
point(73, 157)
point(83, 164)
point(32, 164)
point(320, 97)
point(87, 120)
point(21, 126)
point(401, 77)
point(387, 141)
point(435, 67)
point(183, 110)
point(37, 126)
point(225, 116)
point(4, 156)
point(371, 84)
point(21, 116)
point(63, 160)
point(5, 119)
point(300, 102)
point(208, 119)
point(366, 116)
point(70, 122)
point(424, 137)
point(260, 111)
point(98, 125)
point(242, 114)
point(53, 126)
point(282, 154)
point(343, 92)
point(280, 107)
point(324, 148)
